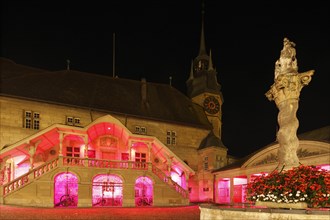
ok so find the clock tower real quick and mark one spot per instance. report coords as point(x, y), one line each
point(204, 90)
point(203, 87)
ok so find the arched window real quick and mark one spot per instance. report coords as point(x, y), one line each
point(143, 191)
point(107, 190)
point(66, 190)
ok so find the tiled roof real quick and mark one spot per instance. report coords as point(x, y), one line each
point(98, 92)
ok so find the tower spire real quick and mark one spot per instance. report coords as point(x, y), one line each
point(202, 50)
point(210, 62)
point(191, 75)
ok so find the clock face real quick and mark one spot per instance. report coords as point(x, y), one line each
point(211, 105)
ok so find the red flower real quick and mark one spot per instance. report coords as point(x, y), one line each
point(303, 183)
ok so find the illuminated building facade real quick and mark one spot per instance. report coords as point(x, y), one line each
point(75, 139)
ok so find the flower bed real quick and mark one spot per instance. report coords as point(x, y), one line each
point(306, 184)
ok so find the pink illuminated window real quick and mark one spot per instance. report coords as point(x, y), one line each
point(143, 191)
point(107, 190)
point(240, 189)
point(224, 190)
point(66, 190)
point(91, 154)
point(124, 156)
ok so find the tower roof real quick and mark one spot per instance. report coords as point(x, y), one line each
point(202, 48)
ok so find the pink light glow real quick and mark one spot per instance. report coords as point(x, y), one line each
point(259, 174)
point(324, 167)
point(191, 212)
point(224, 190)
point(240, 181)
point(239, 189)
point(66, 190)
point(19, 159)
point(101, 129)
point(22, 169)
point(143, 191)
point(107, 190)
point(176, 178)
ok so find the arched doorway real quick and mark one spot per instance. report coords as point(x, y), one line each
point(66, 190)
point(107, 190)
point(143, 191)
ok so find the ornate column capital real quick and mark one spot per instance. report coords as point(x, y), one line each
point(288, 86)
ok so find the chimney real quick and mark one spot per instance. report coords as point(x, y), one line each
point(143, 90)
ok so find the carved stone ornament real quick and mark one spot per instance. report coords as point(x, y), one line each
point(285, 92)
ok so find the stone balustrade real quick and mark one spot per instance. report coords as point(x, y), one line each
point(87, 162)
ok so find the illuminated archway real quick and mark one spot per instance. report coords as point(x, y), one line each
point(143, 191)
point(66, 190)
point(107, 190)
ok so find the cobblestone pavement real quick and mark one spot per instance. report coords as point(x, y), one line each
point(109, 213)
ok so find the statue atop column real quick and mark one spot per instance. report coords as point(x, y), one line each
point(285, 92)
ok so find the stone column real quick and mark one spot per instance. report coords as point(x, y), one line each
point(32, 151)
point(149, 151)
point(61, 136)
point(285, 92)
point(130, 149)
point(8, 171)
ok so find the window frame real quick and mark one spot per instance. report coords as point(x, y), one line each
point(171, 137)
point(31, 120)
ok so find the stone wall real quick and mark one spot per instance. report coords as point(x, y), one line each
point(218, 213)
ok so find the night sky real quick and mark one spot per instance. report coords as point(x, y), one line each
point(159, 39)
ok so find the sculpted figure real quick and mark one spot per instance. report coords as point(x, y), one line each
point(287, 63)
